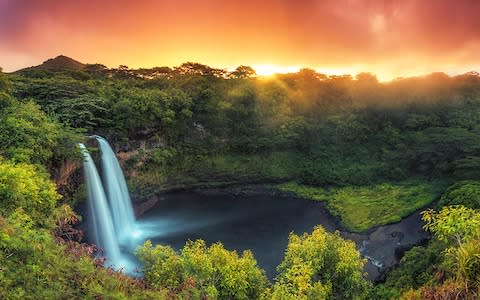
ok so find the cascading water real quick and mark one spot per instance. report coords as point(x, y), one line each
point(117, 193)
point(100, 217)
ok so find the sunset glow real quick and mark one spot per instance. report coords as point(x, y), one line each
point(389, 38)
point(268, 70)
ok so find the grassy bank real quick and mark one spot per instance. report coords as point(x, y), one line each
point(363, 207)
point(358, 207)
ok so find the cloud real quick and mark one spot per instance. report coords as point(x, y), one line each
point(313, 33)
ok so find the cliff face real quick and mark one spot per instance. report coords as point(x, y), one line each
point(69, 177)
point(62, 175)
point(123, 157)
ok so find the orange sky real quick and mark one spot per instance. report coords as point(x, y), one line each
point(388, 37)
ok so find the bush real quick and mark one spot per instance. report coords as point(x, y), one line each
point(417, 268)
point(212, 272)
point(320, 265)
point(466, 193)
point(36, 265)
point(27, 186)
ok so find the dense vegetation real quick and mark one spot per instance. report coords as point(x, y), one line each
point(374, 151)
point(317, 130)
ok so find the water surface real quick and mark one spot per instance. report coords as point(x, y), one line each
point(259, 221)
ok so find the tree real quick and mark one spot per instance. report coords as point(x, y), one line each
point(366, 78)
point(243, 72)
point(466, 193)
point(145, 112)
point(5, 85)
point(27, 186)
point(214, 271)
point(320, 265)
point(96, 70)
point(26, 134)
point(459, 227)
point(453, 224)
point(192, 68)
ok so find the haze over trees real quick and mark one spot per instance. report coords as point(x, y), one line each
point(335, 136)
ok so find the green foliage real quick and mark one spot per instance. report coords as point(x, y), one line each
point(198, 124)
point(436, 148)
point(466, 193)
point(5, 84)
point(5, 100)
point(83, 111)
point(35, 265)
point(418, 267)
point(346, 131)
point(28, 187)
point(161, 157)
point(460, 228)
point(151, 111)
point(464, 262)
point(213, 272)
point(77, 103)
point(275, 165)
point(28, 135)
point(320, 265)
point(467, 167)
point(453, 224)
point(448, 268)
point(363, 207)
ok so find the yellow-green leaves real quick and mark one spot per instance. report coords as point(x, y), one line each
point(460, 228)
point(27, 186)
point(212, 272)
point(453, 223)
point(320, 265)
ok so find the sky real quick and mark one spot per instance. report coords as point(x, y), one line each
point(391, 38)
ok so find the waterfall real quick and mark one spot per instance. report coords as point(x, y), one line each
point(100, 217)
point(117, 193)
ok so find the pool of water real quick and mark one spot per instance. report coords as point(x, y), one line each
point(261, 220)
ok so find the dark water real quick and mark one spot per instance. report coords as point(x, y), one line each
point(260, 222)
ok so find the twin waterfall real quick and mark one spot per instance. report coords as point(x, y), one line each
point(111, 216)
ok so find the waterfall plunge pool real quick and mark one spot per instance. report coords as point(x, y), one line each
point(259, 220)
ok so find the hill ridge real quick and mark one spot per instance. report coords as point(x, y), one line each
point(58, 63)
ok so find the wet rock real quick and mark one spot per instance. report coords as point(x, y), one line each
point(385, 245)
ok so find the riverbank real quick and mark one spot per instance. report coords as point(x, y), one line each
point(361, 208)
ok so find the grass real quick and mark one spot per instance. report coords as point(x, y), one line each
point(363, 207)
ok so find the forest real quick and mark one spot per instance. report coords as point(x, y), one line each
point(374, 152)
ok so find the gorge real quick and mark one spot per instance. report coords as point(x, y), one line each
point(255, 217)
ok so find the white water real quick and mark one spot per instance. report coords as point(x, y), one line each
point(100, 217)
point(117, 194)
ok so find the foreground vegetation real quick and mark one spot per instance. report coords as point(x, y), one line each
point(373, 151)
